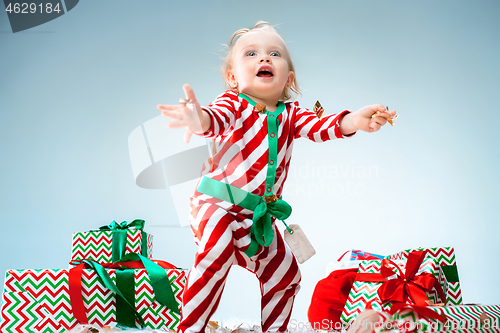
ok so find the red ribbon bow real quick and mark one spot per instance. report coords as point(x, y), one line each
point(401, 288)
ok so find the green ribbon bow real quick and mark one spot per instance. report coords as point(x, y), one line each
point(120, 237)
point(137, 224)
point(262, 228)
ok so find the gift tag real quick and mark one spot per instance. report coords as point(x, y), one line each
point(298, 243)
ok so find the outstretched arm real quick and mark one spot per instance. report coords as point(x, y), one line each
point(363, 119)
point(189, 115)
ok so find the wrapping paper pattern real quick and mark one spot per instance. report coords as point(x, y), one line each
point(97, 245)
point(363, 293)
point(459, 318)
point(445, 256)
point(36, 300)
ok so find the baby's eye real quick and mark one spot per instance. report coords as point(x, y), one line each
point(274, 54)
point(251, 54)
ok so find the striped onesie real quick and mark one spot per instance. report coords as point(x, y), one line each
point(243, 156)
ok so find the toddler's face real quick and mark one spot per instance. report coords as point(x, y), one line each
point(260, 66)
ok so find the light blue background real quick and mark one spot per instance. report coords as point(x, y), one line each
point(73, 89)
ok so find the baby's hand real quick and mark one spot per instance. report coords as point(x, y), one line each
point(187, 114)
point(371, 117)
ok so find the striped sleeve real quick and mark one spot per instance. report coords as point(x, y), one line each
point(308, 125)
point(222, 112)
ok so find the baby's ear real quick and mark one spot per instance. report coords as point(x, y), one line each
point(291, 77)
point(231, 80)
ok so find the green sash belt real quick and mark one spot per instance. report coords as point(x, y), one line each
point(262, 230)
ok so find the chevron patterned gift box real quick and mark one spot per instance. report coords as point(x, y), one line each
point(480, 318)
point(448, 276)
point(38, 300)
point(457, 318)
point(466, 317)
point(365, 289)
point(433, 319)
point(105, 246)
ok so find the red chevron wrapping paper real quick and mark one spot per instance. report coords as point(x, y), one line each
point(37, 300)
point(445, 256)
point(97, 245)
point(363, 293)
point(484, 318)
point(459, 318)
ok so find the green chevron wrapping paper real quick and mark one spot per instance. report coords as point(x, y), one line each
point(37, 300)
point(97, 245)
point(470, 317)
point(459, 318)
point(445, 257)
point(363, 293)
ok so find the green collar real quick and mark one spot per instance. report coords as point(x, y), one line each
point(279, 110)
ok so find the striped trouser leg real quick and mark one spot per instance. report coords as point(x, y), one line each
point(217, 235)
point(279, 277)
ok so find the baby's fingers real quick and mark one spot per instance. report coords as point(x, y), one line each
point(172, 114)
point(187, 135)
point(188, 91)
point(374, 126)
point(167, 107)
point(176, 124)
point(382, 115)
point(380, 119)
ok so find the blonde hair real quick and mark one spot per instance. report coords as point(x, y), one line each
point(228, 61)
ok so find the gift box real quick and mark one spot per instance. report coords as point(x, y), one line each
point(38, 300)
point(433, 319)
point(330, 293)
point(379, 283)
point(111, 243)
point(466, 316)
point(448, 275)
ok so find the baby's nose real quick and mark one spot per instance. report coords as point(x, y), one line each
point(265, 59)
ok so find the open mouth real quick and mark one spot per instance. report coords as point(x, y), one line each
point(265, 73)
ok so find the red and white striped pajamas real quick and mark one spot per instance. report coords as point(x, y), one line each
point(222, 229)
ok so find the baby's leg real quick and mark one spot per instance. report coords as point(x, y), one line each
point(206, 280)
point(279, 276)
